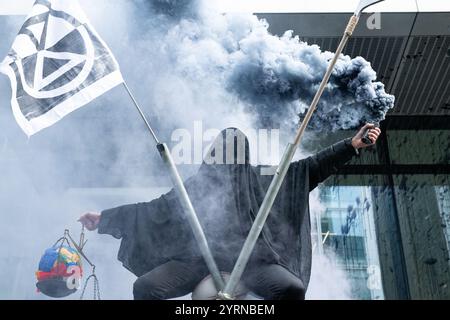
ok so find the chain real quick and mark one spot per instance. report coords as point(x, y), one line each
point(96, 286)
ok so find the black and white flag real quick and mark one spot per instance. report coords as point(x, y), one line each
point(57, 64)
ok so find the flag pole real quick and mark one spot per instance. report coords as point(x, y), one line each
point(141, 113)
point(272, 192)
point(184, 200)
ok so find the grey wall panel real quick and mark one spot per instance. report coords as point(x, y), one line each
point(333, 24)
point(422, 85)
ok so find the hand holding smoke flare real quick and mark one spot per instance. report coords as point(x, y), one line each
point(367, 135)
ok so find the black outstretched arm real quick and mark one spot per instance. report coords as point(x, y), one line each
point(328, 161)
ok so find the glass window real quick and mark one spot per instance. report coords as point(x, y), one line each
point(348, 231)
point(421, 203)
point(443, 196)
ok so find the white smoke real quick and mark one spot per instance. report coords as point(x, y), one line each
point(328, 280)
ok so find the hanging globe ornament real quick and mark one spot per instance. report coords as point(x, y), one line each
point(60, 270)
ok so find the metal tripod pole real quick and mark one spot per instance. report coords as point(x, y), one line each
point(272, 192)
point(184, 200)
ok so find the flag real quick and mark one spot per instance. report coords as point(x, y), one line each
point(57, 64)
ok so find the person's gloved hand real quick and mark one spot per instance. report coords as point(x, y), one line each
point(90, 220)
point(373, 135)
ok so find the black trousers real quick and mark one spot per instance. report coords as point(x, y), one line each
point(178, 278)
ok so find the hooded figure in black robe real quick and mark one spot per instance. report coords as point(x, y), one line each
point(158, 245)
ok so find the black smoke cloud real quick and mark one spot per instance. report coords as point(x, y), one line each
point(274, 78)
point(275, 75)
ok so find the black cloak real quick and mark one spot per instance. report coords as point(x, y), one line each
point(226, 198)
